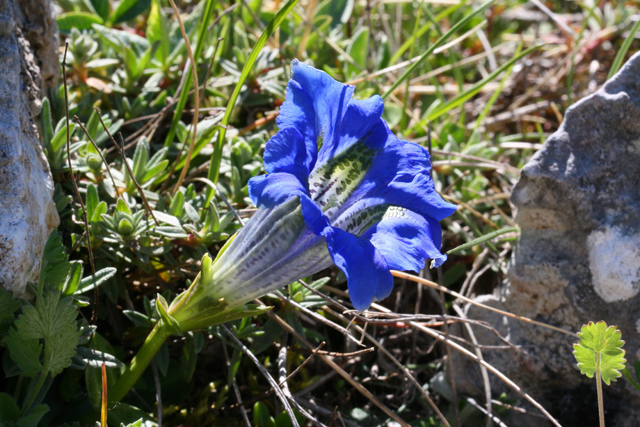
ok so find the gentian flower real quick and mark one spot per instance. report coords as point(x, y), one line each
point(341, 189)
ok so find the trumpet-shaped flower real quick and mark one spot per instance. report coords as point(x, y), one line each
point(341, 189)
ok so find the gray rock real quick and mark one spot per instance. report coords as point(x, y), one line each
point(28, 48)
point(577, 260)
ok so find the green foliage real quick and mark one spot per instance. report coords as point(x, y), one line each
point(633, 379)
point(8, 306)
point(128, 58)
point(600, 351)
point(53, 321)
point(55, 261)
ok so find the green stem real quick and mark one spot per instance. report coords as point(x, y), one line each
point(151, 345)
point(599, 388)
point(34, 393)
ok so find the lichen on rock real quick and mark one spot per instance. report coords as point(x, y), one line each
point(578, 256)
point(27, 211)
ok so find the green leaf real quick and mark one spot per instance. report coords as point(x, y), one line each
point(96, 64)
point(131, 65)
point(358, 49)
point(118, 39)
point(25, 352)
point(121, 206)
point(34, 417)
point(8, 306)
point(261, 416)
point(128, 10)
point(617, 62)
point(51, 316)
point(52, 319)
point(9, 410)
point(46, 122)
point(158, 31)
point(55, 261)
point(102, 8)
point(78, 20)
point(163, 310)
point(188, 360)
point(61, 348)
point(73, 279)
point(171, 232)
point(482, 239)
point(91, 282)
point(216, 156)
point(96, 358)
point(92, 200)
point(600, 350)
point(93, 376)
point(339, 11)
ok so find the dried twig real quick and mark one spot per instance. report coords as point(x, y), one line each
point(344, 374)
point(113, 182)
point(236, 390)
point(267, 375)
point(126, 164)
point(94, 315)
point(410, 377)
point(282, 377)
point(422, 281)
point(483, 370)
point(196, 97)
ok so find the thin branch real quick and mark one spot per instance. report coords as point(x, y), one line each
point(422, 281)
point(94, 315)
point(282, 377)
point(408, 374)
point(196, 97)
point(344, 374)
point(236, 390)
point(115, 187)
point(126, 165)
point(267, 375)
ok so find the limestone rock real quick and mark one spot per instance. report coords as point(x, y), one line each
point(28, 48)
point(578, 257)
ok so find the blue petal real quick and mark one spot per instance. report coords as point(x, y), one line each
point(298, 112)
point(329, 98)
point(313, 216)
point(368, 276)
point(400, 175)
point(286, 152)
point(360, 122)
point(268, 191)
point(406, 239)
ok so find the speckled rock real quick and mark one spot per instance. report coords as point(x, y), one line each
point(577, 260)
point(28, 48)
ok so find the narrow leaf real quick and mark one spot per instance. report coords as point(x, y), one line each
point(216, 156)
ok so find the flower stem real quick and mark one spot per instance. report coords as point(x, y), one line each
point(599, 388)
point(151, 345)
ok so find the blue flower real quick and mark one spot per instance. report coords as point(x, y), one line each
point(365, 193)
point(341, 189)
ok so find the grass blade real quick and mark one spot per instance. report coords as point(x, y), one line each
point(216, 157)
point(497, 93)
point(617, 62)
point(411, 41)
point(434, 46)
point(184, 95)
point(452, 103)
point(482, 239)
